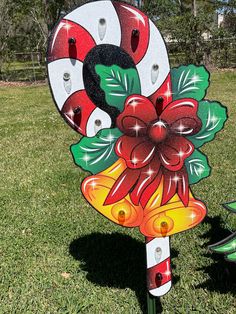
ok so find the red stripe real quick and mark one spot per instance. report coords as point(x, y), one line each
point(148, 239)
point(122, 186)
point(78, 120)
point(61, 48)
point(164, 92)
point(145, 180)
point(150, 190)
point(159, 274)
point(134, 30)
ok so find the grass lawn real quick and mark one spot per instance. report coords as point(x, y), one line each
point(58, 255)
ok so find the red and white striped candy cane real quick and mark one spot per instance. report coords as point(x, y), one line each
point(88, 28)
point(158, 266)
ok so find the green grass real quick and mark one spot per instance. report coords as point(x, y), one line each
point(47, 228)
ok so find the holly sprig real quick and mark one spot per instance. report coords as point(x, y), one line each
point(97, 153)
point(192, 82)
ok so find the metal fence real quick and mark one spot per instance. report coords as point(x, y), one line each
point(30, 66)
point(24, 66)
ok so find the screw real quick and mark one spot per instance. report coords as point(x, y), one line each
point(71, 40)
point(121, 213)
point(155, 67)
point(159, 100)
point(102, 21)
point(135, 32)
point(164, 224)
point(159, 277)
point(66, 76)
point(77, 110)
point(98, 122)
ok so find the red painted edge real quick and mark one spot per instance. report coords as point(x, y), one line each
point(163, 268)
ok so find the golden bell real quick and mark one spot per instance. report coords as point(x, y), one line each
point(155, 220)
point(96, 189)
point(173, 217)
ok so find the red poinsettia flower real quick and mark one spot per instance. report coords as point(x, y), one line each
point(154, 146)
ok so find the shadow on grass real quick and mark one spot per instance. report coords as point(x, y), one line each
point(221, 272)
point(114, 260)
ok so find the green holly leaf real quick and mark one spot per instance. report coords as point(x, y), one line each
point(197, 167)
point(95, 154)
point(227, 246)
point(189, 82)
point(231, 206)
point(213, 116)
point(118, 84)
point(231, 257)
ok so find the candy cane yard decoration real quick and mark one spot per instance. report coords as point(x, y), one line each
point(142, 124)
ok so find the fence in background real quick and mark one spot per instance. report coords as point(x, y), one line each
point(24, 66)
point(30, 66)
point(214, 53)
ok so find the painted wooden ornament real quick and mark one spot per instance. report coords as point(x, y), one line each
point(143, 124)
point(227, 246)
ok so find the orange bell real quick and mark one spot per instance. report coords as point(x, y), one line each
point(173, 217)
point(155, 220)
point(96, 188)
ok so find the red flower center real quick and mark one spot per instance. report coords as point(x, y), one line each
point(158, 131)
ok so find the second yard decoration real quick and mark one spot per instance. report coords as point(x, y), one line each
point(227, 246)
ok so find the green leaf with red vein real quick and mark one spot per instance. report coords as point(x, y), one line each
point(95, 154)
point(189, 82)
point(213, 116)
point(118, 84)
point(197, 167)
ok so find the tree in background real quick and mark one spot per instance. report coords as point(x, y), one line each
point(25, 26)
point(182, 21)
point(189, 24)
point(6, 30)
point(29, 23)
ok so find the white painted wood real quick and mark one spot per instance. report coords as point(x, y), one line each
point(97, 114)
point(156, 55)
point(157, 251)
point(61, 90)
point(152, 253)
point(162, 290)
point(89, 16)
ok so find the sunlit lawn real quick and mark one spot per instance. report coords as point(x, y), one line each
point(57, 255)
